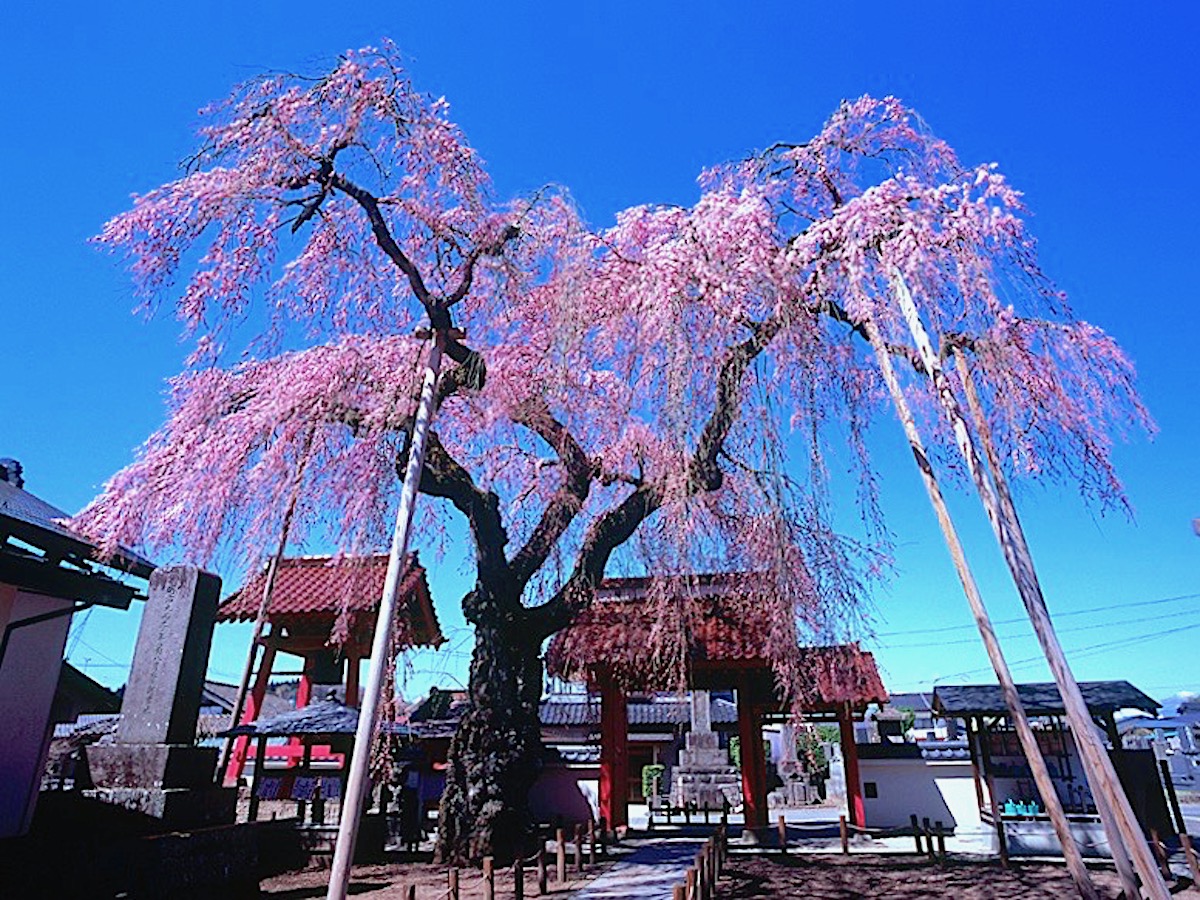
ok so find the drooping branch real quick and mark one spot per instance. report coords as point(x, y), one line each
point(618, 525)
point(567, 500)
point(387, 243)
point(444, 477)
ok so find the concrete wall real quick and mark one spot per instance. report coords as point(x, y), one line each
point(941, 790)
point(28, 677)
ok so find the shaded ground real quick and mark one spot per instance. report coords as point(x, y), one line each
point(825, 877)
point(388, 881)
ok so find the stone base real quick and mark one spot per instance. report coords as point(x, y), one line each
point(151, 765)
point(175, 808)
point(707, 788)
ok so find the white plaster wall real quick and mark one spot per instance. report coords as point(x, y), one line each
point(28, 677)
point(940, 790)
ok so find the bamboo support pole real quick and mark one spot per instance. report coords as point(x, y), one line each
point(358, 780)
point(1160, 855)
point(1008, 686)
point(264, 603)
point(1190, 853)
point(1120, 824)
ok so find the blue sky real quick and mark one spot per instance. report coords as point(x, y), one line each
point(1088, 108)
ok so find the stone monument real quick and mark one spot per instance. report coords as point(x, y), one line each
point(152, 765)
point(703, 775)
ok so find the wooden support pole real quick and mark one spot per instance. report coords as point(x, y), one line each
point(578, 848)
point(560, 856)
point(452, 884)
point(844, 833)
point(1160, 855)
point(679, 892)
point(603, 836)
point(983, 622)
point(1120, 824)
point(519, 879)
point(916, 830)
point(541, 870)
point(940, 834)
point(928, 830)
point(1190, 853)
point(691, 883)
point(591, 838)
point(781, 824)
point(410, 892)
point(489, 878)
point(614, 752)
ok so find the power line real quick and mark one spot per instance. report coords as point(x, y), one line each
point(1057, 615)
point(1085, 651)
point(1029, 634)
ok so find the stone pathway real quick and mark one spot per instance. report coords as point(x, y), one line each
point(649, 873)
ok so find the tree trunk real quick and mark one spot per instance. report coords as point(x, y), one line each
point(496, 754)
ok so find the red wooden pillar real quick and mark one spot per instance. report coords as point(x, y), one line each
point(614, 753)
point(854, 798)
point(303, 698)
point(754, 761)
point(250, 711)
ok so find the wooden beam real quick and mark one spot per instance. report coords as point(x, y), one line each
point(614, 753)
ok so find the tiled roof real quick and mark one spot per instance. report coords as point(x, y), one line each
point(317, 588)
point(652, 711)
point(1040, 699)
point(613, 633)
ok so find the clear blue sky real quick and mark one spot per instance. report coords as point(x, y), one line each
point(1090, 108)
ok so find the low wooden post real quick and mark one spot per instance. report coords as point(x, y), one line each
point(916, 829)
point(489, 878)
point(452, 881)
point(560, 856)
point(925, 827)
point(603, 836)
point(1190, 853)
point(705, 812)
point(691, 883)
point(519, 879)
point(650, 819)
point(411, 893)
point(941, 841)
point(687, 813)
point(679, 892)
point(844, 832)
point(724, 811)
point(781, 824)
point(541, 870)
point(1160, 855)
point(578, 848)
point(591, 836)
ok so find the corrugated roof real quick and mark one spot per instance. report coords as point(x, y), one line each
point(317, 588)
point(1040, 699)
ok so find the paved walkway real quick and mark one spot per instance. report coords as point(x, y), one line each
point(649, 873)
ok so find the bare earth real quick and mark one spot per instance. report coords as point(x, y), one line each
point(388, 881)
point(824, 877)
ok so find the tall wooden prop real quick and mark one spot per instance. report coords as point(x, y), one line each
point(358, 780)
point(1008, 688)
point(260, 618)
point(1119, 822)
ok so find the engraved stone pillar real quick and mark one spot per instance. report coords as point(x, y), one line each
point(153, 767)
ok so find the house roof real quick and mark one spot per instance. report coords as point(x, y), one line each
point(325, 717)
point(1041, 699)
point(314, 590)
point(64, 562)
point(671, 710)
point(86, 691)
point(722, 632)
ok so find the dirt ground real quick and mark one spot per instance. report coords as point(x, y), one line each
point(388, 881)
point(825, 877)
